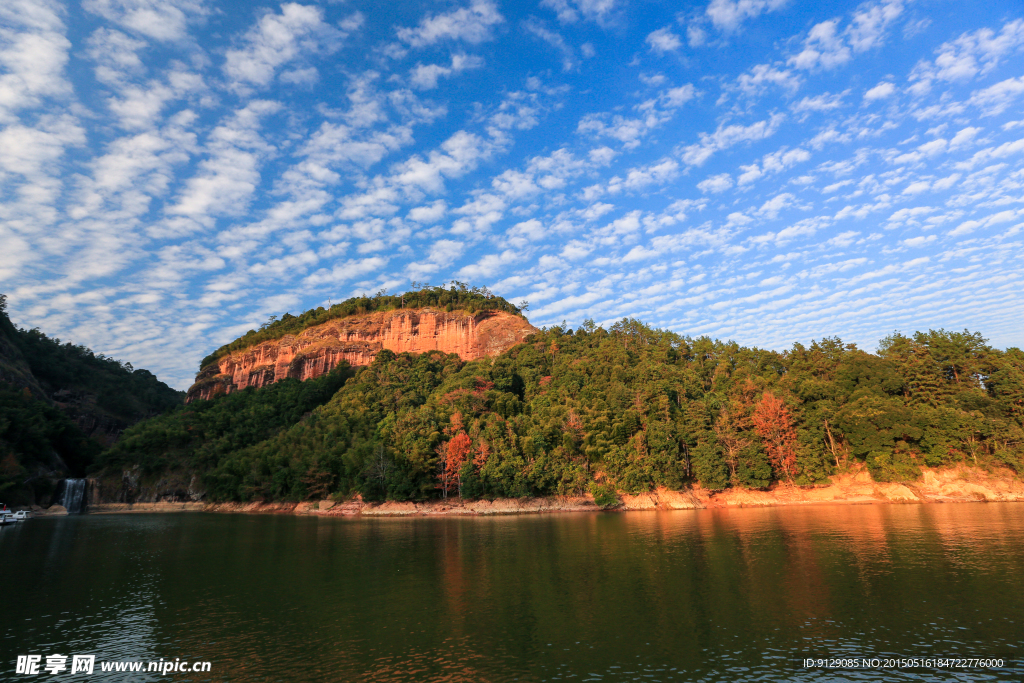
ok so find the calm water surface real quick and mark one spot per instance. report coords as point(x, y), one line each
point(723, 595)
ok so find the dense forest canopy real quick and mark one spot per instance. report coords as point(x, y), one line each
point(629, 409)
point(457, 296)
point(51, 388)
point(119, 389)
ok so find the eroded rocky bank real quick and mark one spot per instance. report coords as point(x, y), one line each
point(955, 485)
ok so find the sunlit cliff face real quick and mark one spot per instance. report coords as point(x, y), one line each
point(357, 340)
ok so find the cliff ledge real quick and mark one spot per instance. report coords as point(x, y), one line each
point(357, 340)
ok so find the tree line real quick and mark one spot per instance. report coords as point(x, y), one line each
point(625, 409)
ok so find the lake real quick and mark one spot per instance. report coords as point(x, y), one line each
point(709, 595)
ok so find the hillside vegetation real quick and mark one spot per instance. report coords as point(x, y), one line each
point(61, 402)
point(629, 409)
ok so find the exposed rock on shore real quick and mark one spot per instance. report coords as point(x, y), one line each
point(956, 485)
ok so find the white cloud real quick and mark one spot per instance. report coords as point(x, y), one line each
point(757, 79)
point(945, 183)
point(715, 184)
point(727, 136)
point(570, 11)
point(300, 76)
point(845, 239)
point(489, 266)
point(521, 234)
point(989, 154)
point(829, 189)
point(695, 35)
point(869, 24)
point(483, 211)
point(116, 55)
point(640, 177)
point(556, 41)
point(141, 106)
point(972, 54)
point(429, 213)
point(933, 148)
point(163, 20)
point(917, 187)
point(458, 154)
point(663, 40)
point(640, 253)
point(771, 208)
point(823, 48)
point(278, 39)
point(751, 172)
point(228, 178)
point(776, 162)
point(34, 153)
point(425, 76)
point(345, 272)
point(33, 54)
point(653, 113)
point(997, 98)
point(133, 171)
point(727, 15)
point(826, 136)
point(471, 24)
point(918, 241)
point(819, 103)
point(826, 46)
point(441, 255)
point(964, 137)
point(880, 92)
point(967, 227)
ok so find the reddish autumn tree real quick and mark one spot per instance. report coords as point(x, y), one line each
point(574, 424)
point(481, 386)
point(455, 453)
point(483, 451)
point(774, 424)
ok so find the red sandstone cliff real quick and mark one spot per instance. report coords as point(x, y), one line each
point(357, 339)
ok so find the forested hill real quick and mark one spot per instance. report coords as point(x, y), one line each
point(628, 409)
point(60, 404)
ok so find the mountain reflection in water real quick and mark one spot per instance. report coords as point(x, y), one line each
point(714, 595)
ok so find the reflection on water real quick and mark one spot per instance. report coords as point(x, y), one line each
point(715, 595)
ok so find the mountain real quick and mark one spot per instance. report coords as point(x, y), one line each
point(61, 404)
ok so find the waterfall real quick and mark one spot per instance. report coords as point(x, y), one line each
point(74, 496)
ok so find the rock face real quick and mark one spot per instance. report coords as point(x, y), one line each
point(357, 340)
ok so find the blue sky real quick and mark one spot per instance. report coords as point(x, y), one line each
point(173, 172)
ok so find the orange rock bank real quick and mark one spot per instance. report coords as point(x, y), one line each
point(952, 485)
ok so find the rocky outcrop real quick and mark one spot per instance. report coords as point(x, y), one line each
point(357, 340)
point(129, 487)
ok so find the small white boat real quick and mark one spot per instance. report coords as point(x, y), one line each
point(21, 515)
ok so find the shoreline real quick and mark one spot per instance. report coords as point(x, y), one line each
point(954, 485)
